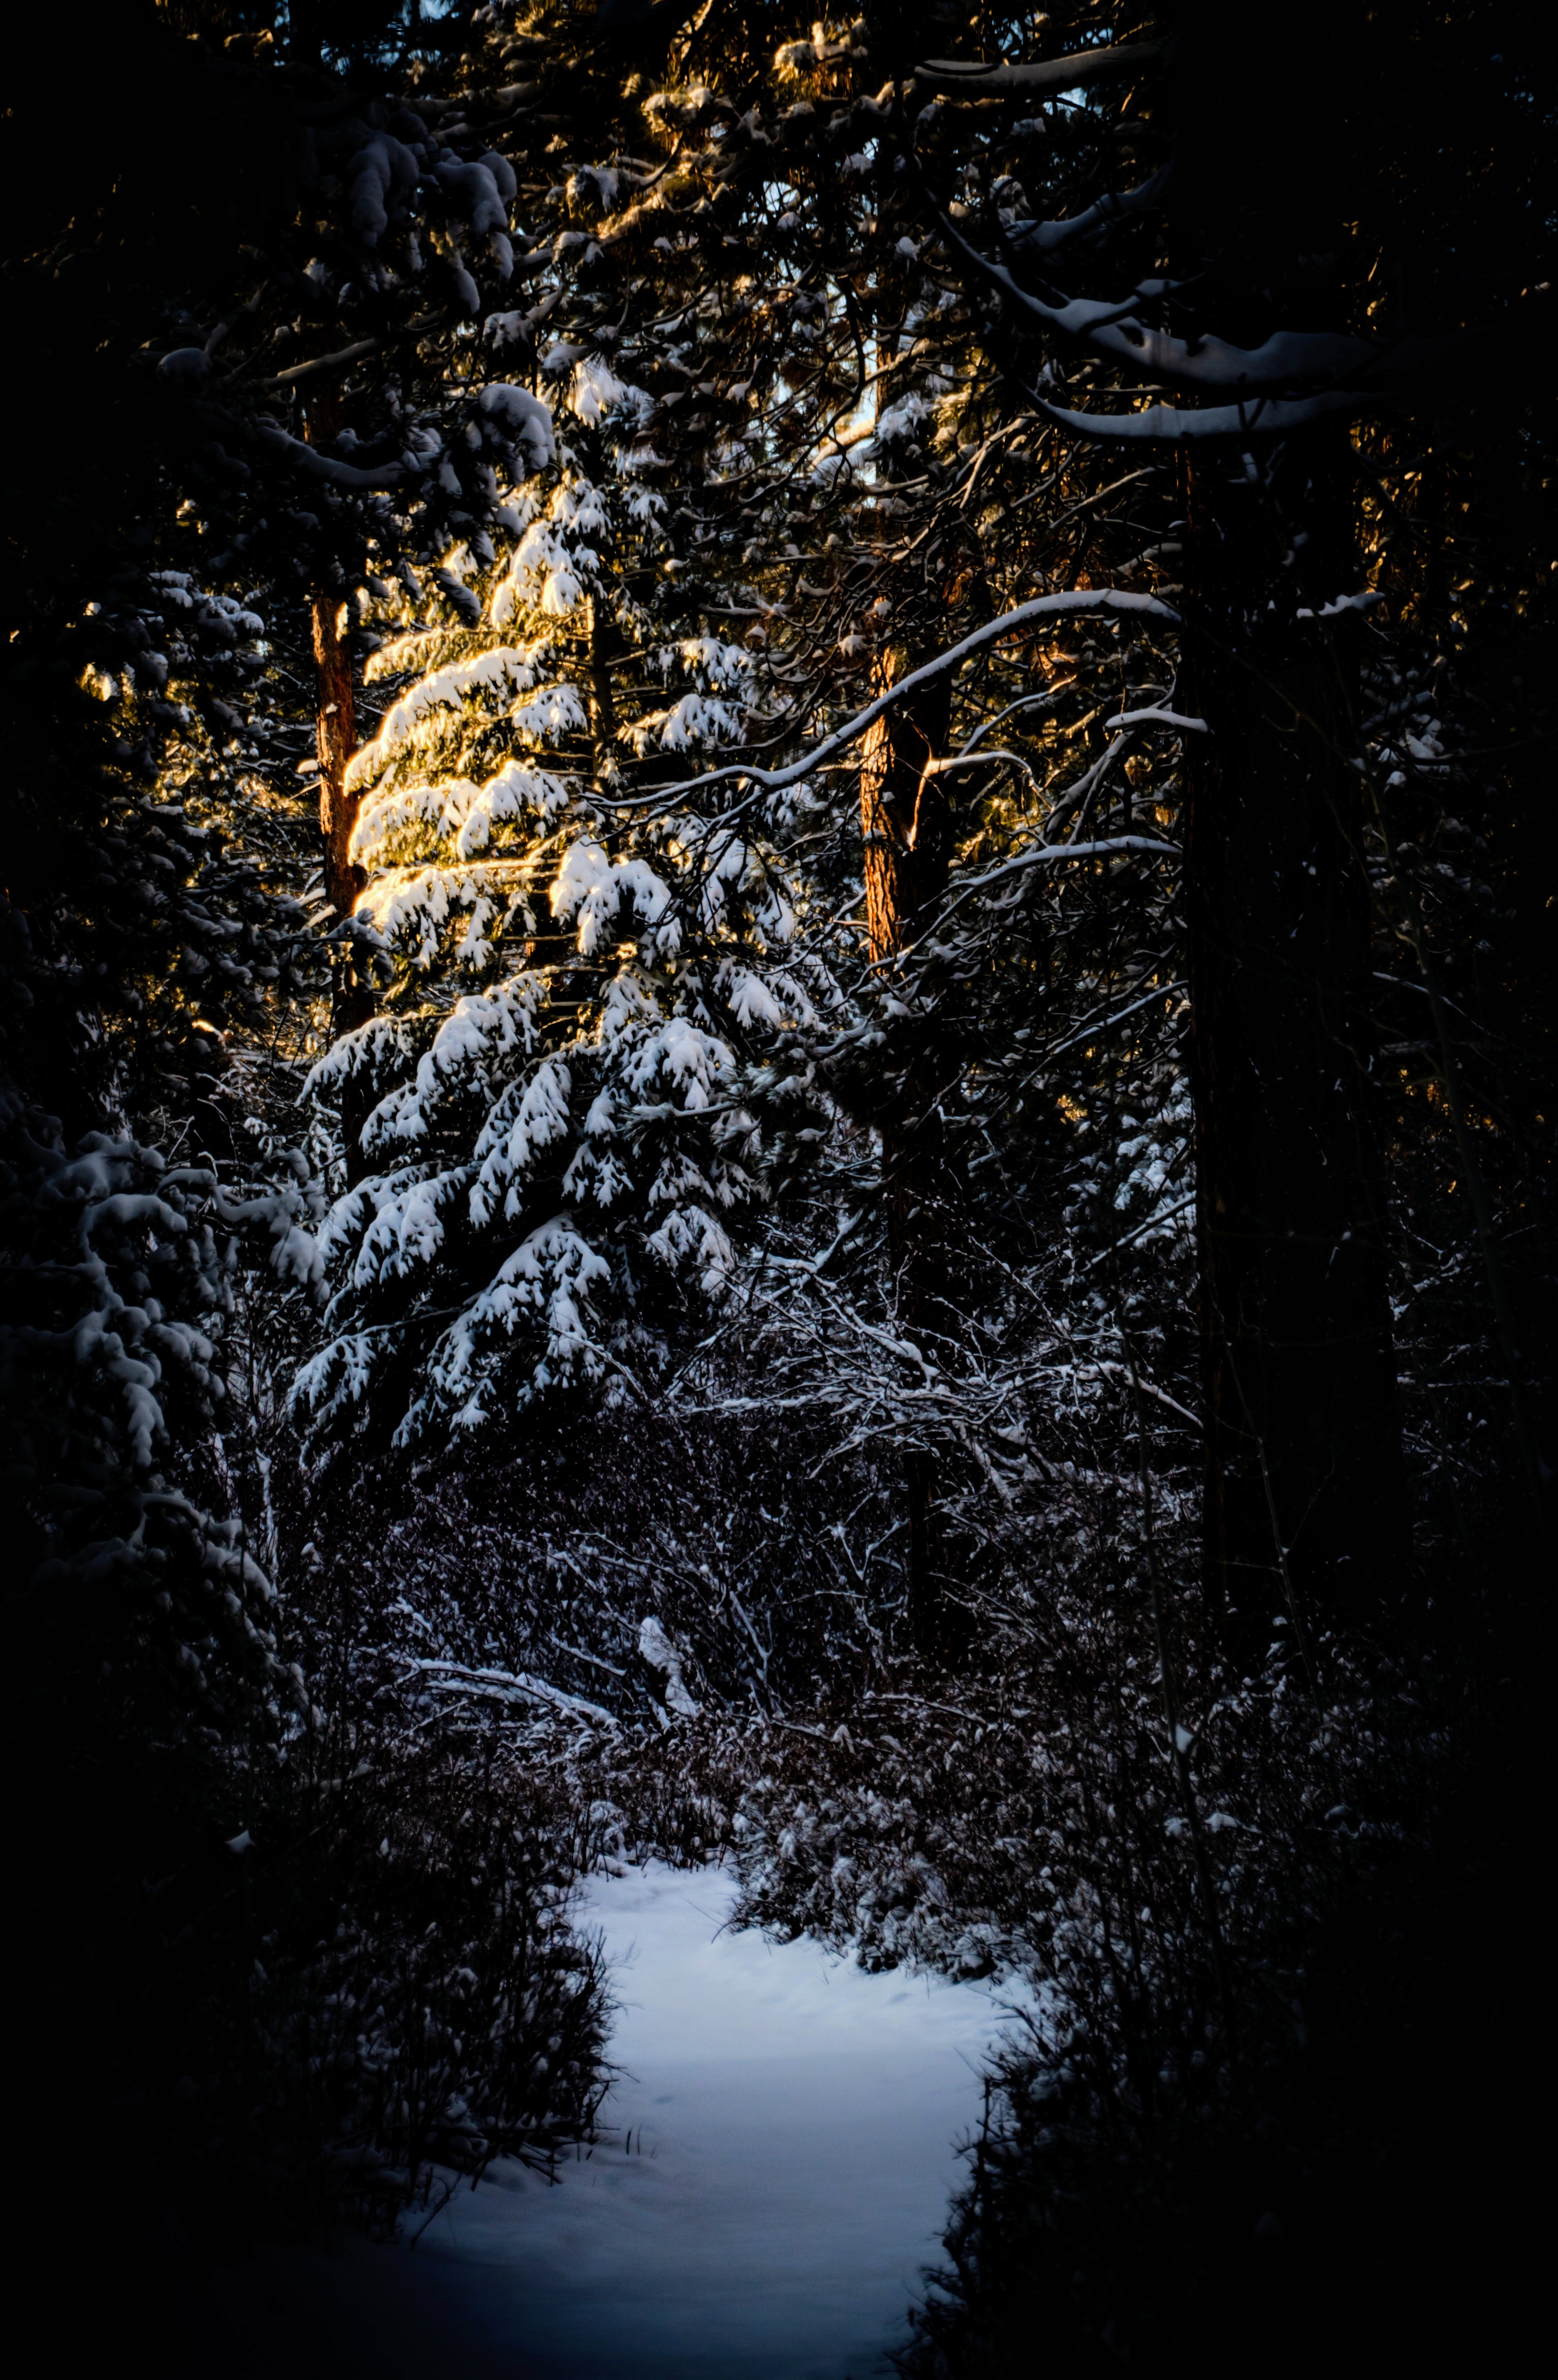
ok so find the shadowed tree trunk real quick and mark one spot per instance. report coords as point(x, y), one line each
point(334, 742)
point(605, 646)
point(907, 827)
point(1304, 1490)
point(1305, 1502)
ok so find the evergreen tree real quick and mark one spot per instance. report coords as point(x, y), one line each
point(550, 1155)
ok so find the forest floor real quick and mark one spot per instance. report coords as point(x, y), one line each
point(778, 2151)
point(777, 2155)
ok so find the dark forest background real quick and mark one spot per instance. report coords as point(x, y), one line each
point(774, 1070)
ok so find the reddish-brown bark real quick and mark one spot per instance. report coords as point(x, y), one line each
point(907, 827)
point(335, 741)
point(352, 999)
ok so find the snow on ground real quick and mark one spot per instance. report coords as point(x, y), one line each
point(783, 2145)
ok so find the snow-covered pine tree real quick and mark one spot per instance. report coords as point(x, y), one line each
point(583, 964)
point(876, 472)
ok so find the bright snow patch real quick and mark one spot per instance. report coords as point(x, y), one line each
point(784, 2147)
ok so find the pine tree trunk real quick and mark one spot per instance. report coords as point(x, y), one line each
point(907, 826)
point(334, 719)
point(605, 646)
point(352, 1000)
point(335, 741)
point(1304, 1498)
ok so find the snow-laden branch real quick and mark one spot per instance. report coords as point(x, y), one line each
point(993, 754)
point(453, 1676)
point(325, 467)
point(1041, 607)
point(1164, 425)
point(1043, 239)
point(1024, 702)
point(1321, 361)
point(1040, 854)
point(343, 357)
point(1041, 74)
point(1043, 855)
point(1085, 787)
point(1341, 372)
point(1157, 717)
point(1095, 1029)
point(1108, 1371)
point(1148, 1223)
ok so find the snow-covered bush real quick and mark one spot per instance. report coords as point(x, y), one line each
point(110, 1387)
point(398, 1996)
point(315, 2002)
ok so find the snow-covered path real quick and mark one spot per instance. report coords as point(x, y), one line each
point(784, 2144)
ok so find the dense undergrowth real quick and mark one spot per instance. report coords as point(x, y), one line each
point(1236, 2112)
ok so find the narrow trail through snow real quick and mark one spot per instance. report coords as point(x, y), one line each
point(783, 2137)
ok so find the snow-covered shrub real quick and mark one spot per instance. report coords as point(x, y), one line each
point(340, 1960)
point(399, 1997)
point(110, 1387)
